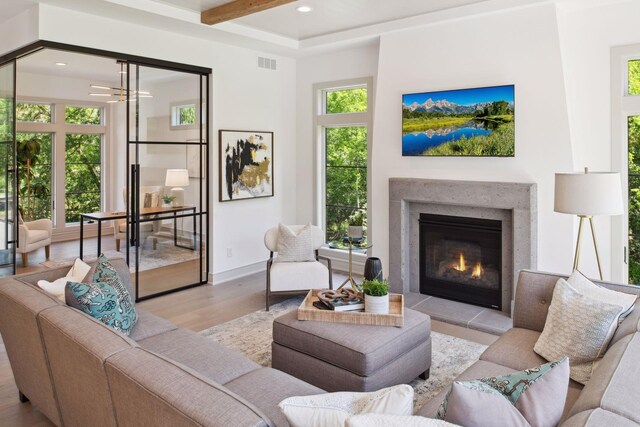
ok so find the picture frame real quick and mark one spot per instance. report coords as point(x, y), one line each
point(245, 165)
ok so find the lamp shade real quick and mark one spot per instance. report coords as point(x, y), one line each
point(591, 193)
point(177, 178)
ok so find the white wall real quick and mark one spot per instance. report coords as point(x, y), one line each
point(20, 30)
point(242, 97)
point(517, 47)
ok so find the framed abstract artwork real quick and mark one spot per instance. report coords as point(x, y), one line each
point(476, 122)
point(246, 165)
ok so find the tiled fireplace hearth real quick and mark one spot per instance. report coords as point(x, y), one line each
point(511, 207)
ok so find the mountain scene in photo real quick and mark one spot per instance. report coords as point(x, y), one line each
point(464, 122)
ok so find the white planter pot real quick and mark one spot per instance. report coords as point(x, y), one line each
point(166, 205)
point(377, 305)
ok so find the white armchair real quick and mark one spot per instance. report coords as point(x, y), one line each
point(147, 229)
point(33, 235)
point(296, 277)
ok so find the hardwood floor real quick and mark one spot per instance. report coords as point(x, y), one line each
point(196, 309)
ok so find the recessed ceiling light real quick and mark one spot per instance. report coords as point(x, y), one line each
point(61, 64)
point(304, 9)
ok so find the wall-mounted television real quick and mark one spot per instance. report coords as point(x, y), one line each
point(464, 122)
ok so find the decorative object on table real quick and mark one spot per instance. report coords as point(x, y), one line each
point(395, 316)
point(465, 122)
point(376, 296)
point(355, 232)
point(333, 409)
point(246, 165)
point(177, 178)
point(166, 200)
point(532, 397)
point(294, 277)
point(373, 268)
point(578, 301)
point(588, 194)
point(345, 299)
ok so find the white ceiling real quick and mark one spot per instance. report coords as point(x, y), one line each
point(10, 8)
point(328, 16)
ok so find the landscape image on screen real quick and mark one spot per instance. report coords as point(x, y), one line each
point(465, 122)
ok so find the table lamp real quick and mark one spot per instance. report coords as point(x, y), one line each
point(588, 194)
point(177, 178)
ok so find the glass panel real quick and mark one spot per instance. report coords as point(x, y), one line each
point(633, 67)
point(83, 115)
point(33, 112)
point(346, 101)
point(7, 126)
point(345, 180)
point(35, 175)
point(634, 198)
point(82, 175)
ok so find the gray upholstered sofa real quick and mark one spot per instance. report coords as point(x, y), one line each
point(79, 372)
point(610, 398)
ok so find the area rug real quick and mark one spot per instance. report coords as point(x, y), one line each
point(252, 336)
point(166, 253)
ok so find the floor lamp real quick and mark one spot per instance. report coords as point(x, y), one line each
point(588, 194)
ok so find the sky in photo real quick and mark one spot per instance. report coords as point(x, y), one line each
point(464, 96)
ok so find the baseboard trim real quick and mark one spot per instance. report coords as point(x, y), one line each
point(236, 273)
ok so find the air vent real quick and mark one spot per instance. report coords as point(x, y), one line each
point(266, 63)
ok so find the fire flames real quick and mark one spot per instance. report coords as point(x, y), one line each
point(462, 266)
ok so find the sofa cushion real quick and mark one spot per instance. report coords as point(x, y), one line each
point(333, 409)
point(149, 325)
point(514, 349)
point(267, 387)
point(201, 354)
point(577, 326)
point(149, 390)
point(34, 236)
point(285, 276)
point(381, 420)
point(614, 385)
point(361, 349)
point(533, 396)
point(598, 418)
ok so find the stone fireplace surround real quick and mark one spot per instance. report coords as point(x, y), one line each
point(514, 203)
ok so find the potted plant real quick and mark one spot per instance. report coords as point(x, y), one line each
point(166, 200)
point(376, 296)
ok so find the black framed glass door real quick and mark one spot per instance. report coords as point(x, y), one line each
point(167, 195)
point(8, 195)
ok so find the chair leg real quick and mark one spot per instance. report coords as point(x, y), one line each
point(22, 397)
point(425, 375)
point(24, 259)
point(155, 243)
point(117, 245)
point(47, 251)
point(267, 293)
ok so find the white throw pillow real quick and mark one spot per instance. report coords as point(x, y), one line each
point(578, 327)
point(56, 288)
point(294, 247)
point(586, 287)
point(333, 409)
point(380, 420)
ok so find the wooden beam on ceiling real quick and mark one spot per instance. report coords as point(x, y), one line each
point(237, 9)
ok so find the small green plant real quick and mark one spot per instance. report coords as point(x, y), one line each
point(168, 199)
point(375, 287)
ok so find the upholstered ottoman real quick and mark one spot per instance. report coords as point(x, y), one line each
point(345, 357)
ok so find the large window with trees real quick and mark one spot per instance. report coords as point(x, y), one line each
point(59, 147)
point(343, 118)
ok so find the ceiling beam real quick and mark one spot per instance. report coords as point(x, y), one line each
point(237, 9)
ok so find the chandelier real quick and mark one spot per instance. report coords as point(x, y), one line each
point(119, 93)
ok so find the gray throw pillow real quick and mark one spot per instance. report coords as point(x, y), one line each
point(294, 247)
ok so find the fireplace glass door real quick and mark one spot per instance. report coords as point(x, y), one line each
point(461, 259)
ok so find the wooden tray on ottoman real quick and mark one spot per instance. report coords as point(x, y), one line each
point(307, 311)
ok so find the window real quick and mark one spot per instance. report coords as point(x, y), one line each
point(182, 115)
point(343, 117)
point(60, 146)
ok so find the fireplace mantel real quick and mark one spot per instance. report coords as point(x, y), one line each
point(514, 203)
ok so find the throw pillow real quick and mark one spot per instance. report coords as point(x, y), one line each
point(381, 420)
point(586, 287)
point(579, 327)
point(57, 287)
point(333, 409)
point(294, 247)
point(106, 298)
point(533, 397)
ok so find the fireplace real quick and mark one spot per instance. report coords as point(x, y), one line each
point(461, 259)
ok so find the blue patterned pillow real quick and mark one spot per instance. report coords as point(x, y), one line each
point(533, 397)
point(106, 298)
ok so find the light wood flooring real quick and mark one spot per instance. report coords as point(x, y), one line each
point(196, 309)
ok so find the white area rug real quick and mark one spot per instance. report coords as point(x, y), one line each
point(252, 336)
